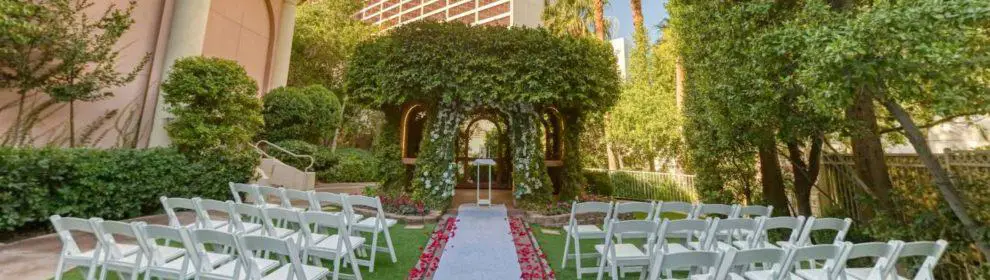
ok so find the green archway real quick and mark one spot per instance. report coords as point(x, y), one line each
point(440, 73)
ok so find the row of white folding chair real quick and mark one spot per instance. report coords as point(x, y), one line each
point(166, 262)
point(375, 226)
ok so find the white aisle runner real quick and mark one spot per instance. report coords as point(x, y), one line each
point(482, 246)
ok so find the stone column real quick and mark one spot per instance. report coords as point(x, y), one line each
point(187, 31)
point(283, 44)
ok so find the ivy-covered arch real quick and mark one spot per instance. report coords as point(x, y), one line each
point(451, 69)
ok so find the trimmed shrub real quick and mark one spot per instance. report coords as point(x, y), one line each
point(214, 104)
point(598, 183)
point(354, 165)
point(112, 184)
point(323, 158)
point(309, 113)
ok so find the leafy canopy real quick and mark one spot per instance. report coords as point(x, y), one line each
point(309, 114)
point(428, 61)
point(324, 39)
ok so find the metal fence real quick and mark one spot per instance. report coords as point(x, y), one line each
point(969, 169)
point(642, 185)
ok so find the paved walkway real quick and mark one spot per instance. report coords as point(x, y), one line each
point(481, 248)
point(35, 258)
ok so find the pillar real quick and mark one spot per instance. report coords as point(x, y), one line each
point(283, 44)
point(187, 31)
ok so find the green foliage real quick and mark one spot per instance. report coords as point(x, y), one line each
point(214, 104)
point(353, 165)
point(112, 184)
point(436, 170)
point(310, 114)
point(599, 183)
point(389, 170)
point(325, 36)
point(571, 17)
point(323, 158)
point(427, 62)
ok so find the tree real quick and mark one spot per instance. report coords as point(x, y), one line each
point(568, 17)
point(214, 104)
point(28, 32)
point(87, 56)
point(309, 114)
point(325, 37)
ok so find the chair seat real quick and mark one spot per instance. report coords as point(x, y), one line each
point(227, 270)
point(331, 242)
point(678, 248)
point(174, 267)
point(169, 253)
point(859, 273)
point(754, 275)
point(126, 262)
point(722, 246)
point(311, 272)
point(217, 224)
point(586, 231)
point(705, 276)
point(284, 232)
point(623, 251)
point(369, 224)
point(218, 258)
point(815, 273)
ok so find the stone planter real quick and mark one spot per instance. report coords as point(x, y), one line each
point(432, 217)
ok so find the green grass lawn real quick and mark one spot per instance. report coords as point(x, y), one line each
point(407, 244)
point(553, 246)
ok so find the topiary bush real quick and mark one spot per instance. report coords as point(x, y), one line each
point(323, 158)
point(214, 104)
point(112, 184)
point(309, 113)
point(353, 165)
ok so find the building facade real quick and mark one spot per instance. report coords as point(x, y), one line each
point(391, 13)
point(255, 33)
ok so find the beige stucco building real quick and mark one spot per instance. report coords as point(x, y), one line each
point(255, 33)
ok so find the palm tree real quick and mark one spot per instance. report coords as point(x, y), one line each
point(572, 17)
point(637, 13)
point(600, 19)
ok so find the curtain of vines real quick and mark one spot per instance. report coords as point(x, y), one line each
point(529, 172)
point(388, 154)
point(572, 179)
point(436, 169)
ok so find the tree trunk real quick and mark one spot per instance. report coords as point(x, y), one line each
point(637, 13)
point(72, 124)
point(868, 154)
point(17, 123)
point(340, 123)
point(805, 172)
point(679, 76)
point(772, 179)
point(600, 19)
point(941, 176)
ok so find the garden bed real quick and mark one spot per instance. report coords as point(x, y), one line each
point(431, 217)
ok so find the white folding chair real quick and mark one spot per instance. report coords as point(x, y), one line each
point(882, 255)
point(330, 246)
point(578, 232)
point(219, 265)
point(160, 265)
point(931, 251)
point(730, 231)
point(680, 209)
point(292, 268)
point(724, 211)
point(302, 199)
point(120, 258)
point(839, 226)
point(765, 263)
point(754, 211)
point(761, 239)
point(250, 219)
point(203, 209)
point(322, 199)
point(172, 203)
point(268, 196)
point(830, 255)
point(685, 230)
point(250, 191)
point(375, 226)
point(71, 254)
point(632, 208)
point(289, 226)
point(698, 264)
point(616, 254)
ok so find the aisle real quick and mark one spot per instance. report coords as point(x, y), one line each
point(481, 248)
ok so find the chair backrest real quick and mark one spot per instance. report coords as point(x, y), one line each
point(634, 207)
point(202, 237)
point(249, 244)
point(290, 195)
point(792, 224)
point(677, 207)
point(618, 227)
point(881, 253)
point(839, 226)
point(578, 208)
point(931, 251)
point(753, 211)
point(830, 254)
point(172, 203)
point(744, 260)
point(366, 201)
point(338, 199)
point(204, 206)
point(731, 229)
point(250, 192)
point(153, 233)
point(683, 228)
point(64, 228)
point(254, 212)
point(694, 261)
point(269, 194)
point(288, 216)
point(707, 210)
point(323, 220)
point(108, 230)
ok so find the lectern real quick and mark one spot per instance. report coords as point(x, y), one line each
point(478, 163)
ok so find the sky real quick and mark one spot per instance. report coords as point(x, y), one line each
point(653, 13)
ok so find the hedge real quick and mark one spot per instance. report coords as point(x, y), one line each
point(112, 184)
point(346, 165)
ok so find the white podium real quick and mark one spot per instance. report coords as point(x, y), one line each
point(483, 162)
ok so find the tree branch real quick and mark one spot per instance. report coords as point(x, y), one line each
point(935, 122)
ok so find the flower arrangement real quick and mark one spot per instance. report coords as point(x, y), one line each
point(403, 204)
point(430, 258)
